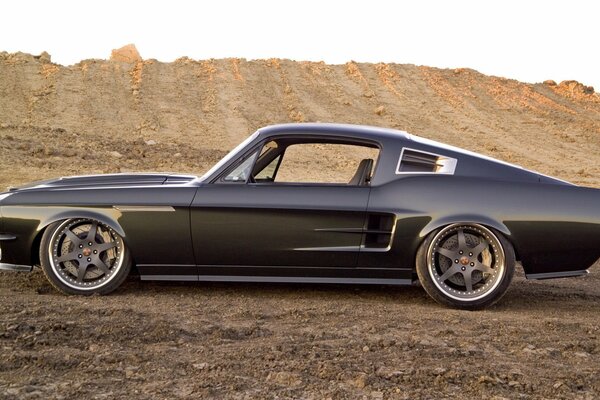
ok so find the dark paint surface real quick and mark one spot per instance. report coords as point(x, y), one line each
point(285, 225)
point(196, 227)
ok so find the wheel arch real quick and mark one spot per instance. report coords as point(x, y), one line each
point(63, 215)
point(483, 220)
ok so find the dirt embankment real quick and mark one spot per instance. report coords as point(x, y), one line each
point(244, 341)
point(106, 116)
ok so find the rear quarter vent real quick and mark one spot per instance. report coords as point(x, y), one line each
point(417, 161)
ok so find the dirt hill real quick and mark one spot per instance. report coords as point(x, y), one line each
point(107, 116)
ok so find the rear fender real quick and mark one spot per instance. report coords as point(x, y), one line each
point(437, 223)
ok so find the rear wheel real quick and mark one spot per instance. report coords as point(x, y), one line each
point(465, 266)
point(84, 256)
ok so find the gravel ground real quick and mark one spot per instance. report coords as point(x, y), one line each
point(269, 341)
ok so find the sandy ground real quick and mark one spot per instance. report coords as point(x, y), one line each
point(242, 341)
point(171, 340)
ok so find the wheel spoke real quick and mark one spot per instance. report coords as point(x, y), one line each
point(91, 236)
point(72, 237)
point(81, 270)
point(455, 269)
point(67, 257)
point(446, 253)
point(468, 281)
point(102, 266)
point(462, 241)
point(477, 250)
point(105, 246)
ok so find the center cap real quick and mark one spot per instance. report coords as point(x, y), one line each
point(87, 251)
point(464, 260)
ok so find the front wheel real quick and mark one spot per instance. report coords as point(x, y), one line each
point(465, 266)
point(84, 256)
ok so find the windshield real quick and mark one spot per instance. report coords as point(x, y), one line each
point(231, 155)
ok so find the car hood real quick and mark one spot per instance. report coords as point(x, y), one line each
point(137, 179)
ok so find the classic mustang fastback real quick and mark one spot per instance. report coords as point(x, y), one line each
point(323, 203)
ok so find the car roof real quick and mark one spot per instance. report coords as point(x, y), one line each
point(370, 132)
point(348, 130)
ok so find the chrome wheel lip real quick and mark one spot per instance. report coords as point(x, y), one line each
point(493, 282)
point(70, 282)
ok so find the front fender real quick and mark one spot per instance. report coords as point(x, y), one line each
point(108, 216)
point(27, 224)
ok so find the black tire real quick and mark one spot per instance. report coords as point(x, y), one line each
point(83, 256)
point(465, 266)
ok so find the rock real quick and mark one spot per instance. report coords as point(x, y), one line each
point(388, 373)
point(550, 82)
point(366, 349)
point(69, 153)
point(380, 110)
point(150, 142)
point(115, 154)
point(177, 155)
point(44, 57)
point(377, 395)
point(200, 366)
point(360, 381)
point(285, 378)
point(576, 87)
point(130, 372)
point(582, 354)
point(529, 349)
point(36, 394)
point(486, 379)
point(128, 54)
point(514, 384)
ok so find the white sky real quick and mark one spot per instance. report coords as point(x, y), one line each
point(525, 40)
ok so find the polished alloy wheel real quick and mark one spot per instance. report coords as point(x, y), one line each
point(466, 262)
point(85, 254)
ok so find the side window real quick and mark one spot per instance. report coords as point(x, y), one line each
point(268, 173)
point(242, 172)
point(327, 163)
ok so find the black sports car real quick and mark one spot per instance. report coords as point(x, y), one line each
point(310, 203)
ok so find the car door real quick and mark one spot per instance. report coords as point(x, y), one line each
point(240, 224)
point(278, 225)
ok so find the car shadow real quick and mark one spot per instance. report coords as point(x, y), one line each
point(576, 294)
point(523, 294)
point(260, 289)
